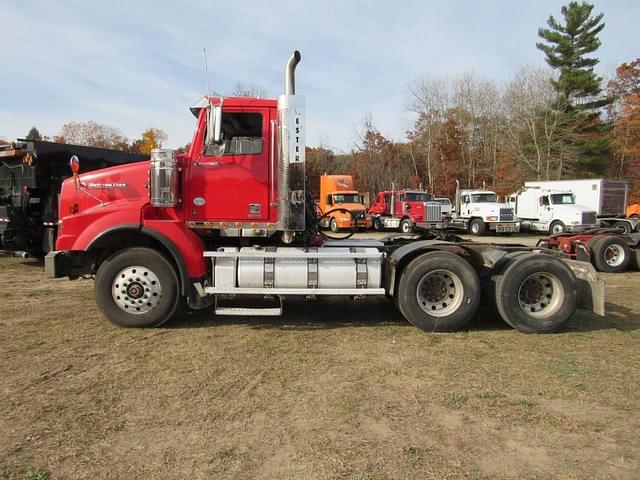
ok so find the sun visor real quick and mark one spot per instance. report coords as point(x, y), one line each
point(202, 103)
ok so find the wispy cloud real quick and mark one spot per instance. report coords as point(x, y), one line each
point(139, 64)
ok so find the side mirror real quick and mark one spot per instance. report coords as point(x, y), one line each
point(214, 124)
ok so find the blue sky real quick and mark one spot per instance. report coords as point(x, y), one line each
point(136, 65)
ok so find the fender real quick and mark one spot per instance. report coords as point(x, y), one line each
point(190, 268)
point(78, 232)
point(182, 242)
point(402, 255)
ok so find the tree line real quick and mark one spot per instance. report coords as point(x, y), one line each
point(562, 121)
point(93, 134)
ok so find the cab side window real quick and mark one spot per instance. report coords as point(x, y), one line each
point(241, 134)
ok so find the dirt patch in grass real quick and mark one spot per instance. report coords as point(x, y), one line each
point(333, 389)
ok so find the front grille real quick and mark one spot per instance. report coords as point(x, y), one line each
point(433, 212)
point(589, 218)
point(506, 214)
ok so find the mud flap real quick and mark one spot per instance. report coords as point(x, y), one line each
point(590, 286)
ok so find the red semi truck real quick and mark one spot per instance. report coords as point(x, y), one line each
point(230, 220)
point(404, 209)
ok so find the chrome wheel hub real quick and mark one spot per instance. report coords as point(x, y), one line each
point(136, 290)
point(540, 294)
point(440, 293)
point(614, 255)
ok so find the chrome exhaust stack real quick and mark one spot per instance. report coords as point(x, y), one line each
point(290, 73)
point(291, 148)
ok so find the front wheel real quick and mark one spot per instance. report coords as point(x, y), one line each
point(334, 226)
point(477, 226)
point(377, 224)
point(406, 226)
point(438, 292)
point(137, 287)
point(556, 227)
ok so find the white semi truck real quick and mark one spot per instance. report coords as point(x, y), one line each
point(607, 197)
point(479, 211)
point(553, 211)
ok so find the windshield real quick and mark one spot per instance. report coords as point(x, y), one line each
point(562, 199)
point(346, 198)
point(483, 198)
point(416, 197)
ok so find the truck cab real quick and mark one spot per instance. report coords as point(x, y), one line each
point(340, 203)
point(479, 211)
point(404, 209)
point(553, 211)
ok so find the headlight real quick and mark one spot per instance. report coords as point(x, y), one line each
point(492, 219)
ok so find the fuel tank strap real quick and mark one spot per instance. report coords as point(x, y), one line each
point(362, 275)
point(269, 269)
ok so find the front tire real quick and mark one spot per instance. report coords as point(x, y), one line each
point(334, 226)
point(557, 227)
point(477, 226)
point(137, 287)
point(377, 224)
point(536, 293)
point(406, 226)
point(438, 292)
point(610, 254)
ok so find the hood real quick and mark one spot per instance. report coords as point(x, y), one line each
point(99, 188)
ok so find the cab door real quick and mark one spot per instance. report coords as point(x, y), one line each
point(232, 181)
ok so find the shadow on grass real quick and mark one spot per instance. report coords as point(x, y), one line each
point(337, 312)
point(617, 317)
point(327, 313)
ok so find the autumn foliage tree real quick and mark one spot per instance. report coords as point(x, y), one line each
point(625, 113)
point(151, 138)
point(92, 134)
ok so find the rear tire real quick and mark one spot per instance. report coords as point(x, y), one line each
point(137, 287)
point(557, 227)
point(610, 254)
point(624, 227)
point(438, 292)
point(477, 226)
point(536, 294)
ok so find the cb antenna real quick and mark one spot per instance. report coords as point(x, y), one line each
point(206, 72)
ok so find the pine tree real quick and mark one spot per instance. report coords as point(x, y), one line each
point(583, 137)
point(34, 134)
point(567, 50)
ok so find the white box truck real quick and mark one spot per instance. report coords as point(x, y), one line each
point(553, 211)
point(608, 197)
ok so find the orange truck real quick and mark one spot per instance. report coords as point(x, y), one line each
point(338, 194)
point(633, 211)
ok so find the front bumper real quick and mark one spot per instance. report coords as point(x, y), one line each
point(58, 263)
point(504, 227)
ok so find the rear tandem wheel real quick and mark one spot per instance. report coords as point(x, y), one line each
point(438, 292)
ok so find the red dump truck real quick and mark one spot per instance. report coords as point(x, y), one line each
point(230, 221)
